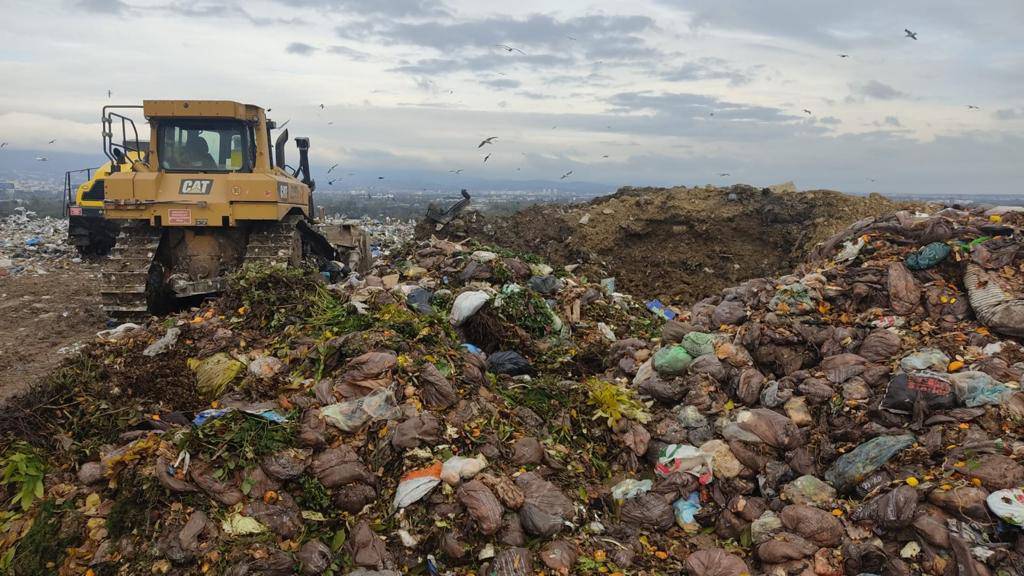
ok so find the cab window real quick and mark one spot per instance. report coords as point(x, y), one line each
point(205, 146)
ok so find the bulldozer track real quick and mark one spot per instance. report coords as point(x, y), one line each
point(278, 243)
point(125, 274)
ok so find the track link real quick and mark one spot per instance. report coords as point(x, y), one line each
point(277, 243)
point(125, 274)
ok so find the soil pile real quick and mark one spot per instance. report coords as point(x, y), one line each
point(677, 244)
point(466, 410)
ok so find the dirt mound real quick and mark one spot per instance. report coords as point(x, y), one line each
point(680, 244)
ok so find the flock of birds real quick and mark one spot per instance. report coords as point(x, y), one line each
point(491, 140)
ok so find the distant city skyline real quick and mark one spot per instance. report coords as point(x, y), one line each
point(826, 93)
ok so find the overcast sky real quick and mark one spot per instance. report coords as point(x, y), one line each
point(640, 92)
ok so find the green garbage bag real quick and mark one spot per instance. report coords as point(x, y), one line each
point(928, 256)
point(672, 361)
point(698, 344)
point(854, 466)
point(213, 374)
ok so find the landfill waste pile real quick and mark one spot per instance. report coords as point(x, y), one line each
point(674, 243)
point(29, 245)
point(470, 410)
point(389, 234)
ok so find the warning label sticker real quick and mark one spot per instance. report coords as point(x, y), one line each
point(179, 216)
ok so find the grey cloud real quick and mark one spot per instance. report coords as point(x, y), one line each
point(534, 95)
point(349, 52)
point(696, 106)
point(893, 121)
point(102, 6)
point(226, 10)
point(830, 120)
point(1009, 114)
point(877, 90)
point(502, 83)
point(707, 69)
point(300, 48)
point(395, 8)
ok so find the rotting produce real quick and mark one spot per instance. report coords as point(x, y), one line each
point(463, 409)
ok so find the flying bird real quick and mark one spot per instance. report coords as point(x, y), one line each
point(331, 182)
point(40, 158)
point(269, 109)
point(486, 158)
point(711, 113)
point(911, 35)
point(459, 171)
point(972, 107)
point(380, 177)
point(571, 38)
point(605, 156)
point(487, 141)
point(331, 169)
point(109, 93)
point(844, 55)
point(331, 123)
point(322, 107)
point(566, 175)
point(510, 49)
point(3, 144)
point(52, 141)
point(723, 174)
point(808, 112)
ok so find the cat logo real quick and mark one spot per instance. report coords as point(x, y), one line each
point(282, 191)
point(192, 186)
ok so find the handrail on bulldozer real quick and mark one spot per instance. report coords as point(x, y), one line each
point(69, 190)
point(114, 151)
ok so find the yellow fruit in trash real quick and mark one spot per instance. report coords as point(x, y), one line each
point(911, 481)
point(955, 365)
point(600, 555)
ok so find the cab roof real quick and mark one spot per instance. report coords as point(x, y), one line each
point(201, 109)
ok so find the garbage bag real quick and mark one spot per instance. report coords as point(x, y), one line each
point(213, 374)
point(880, 346)
point(674, 331)
point(224, 492)
point(287, 464)
point(545, 508)
point(435, 390)
point(508, 362)
point(315, 557)
point(482, 506)
point(164, 343)
point(510, 495)
point(339, 466)
point(814, 524)
point(904, 291)
point(648, 511)
point(1008, 505)
point(975, 389)
point(544, 284)
point(891, 511)
point(854, 466)
point(512, 562)
point(748, 386)
point(354, 497)
point(967, 502)
point(365, 369)
point(273, 562)
point(630, 488)
point(312, 429)
point(995, 308)
point(928, 256)
point(771, 427)
point(715, 562)
point(729, 312)
point(560, 556)
point(685, 509)
point(809, 490)
point(666, 391)
point(365, 548)
point(995, 471)
point(674, 458)
point(418, 300)
point(422, 429)
point(905, 390)
point(466, 305)
point(925, 359)
point(351, 415)
point(785, 547)
point(416, 484)
point(672, 361)
point(282, 517)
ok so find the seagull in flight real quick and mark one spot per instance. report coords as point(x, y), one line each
point(487, 141)
point(109, 93)
point(459, 171)
point(510, 49)
point(3, 144)
point(331, 169)
point(40, 158)
point(910, 34)
point(973, 107)
point(380, 177)
point(808, 112)
point(322, 107)
point(566, 175)
point(331, 182)
point(52, 141)
point(605, 156)
point(844, 55)
point(571, 38)
point(723, 174)
point(486, 158)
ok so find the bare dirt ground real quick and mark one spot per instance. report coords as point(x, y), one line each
point(42, 314)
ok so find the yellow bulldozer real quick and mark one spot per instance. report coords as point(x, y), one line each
point(210, 194)
point(88, 231)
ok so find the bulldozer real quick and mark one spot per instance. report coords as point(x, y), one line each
point(209, 195)
point(88, 231)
